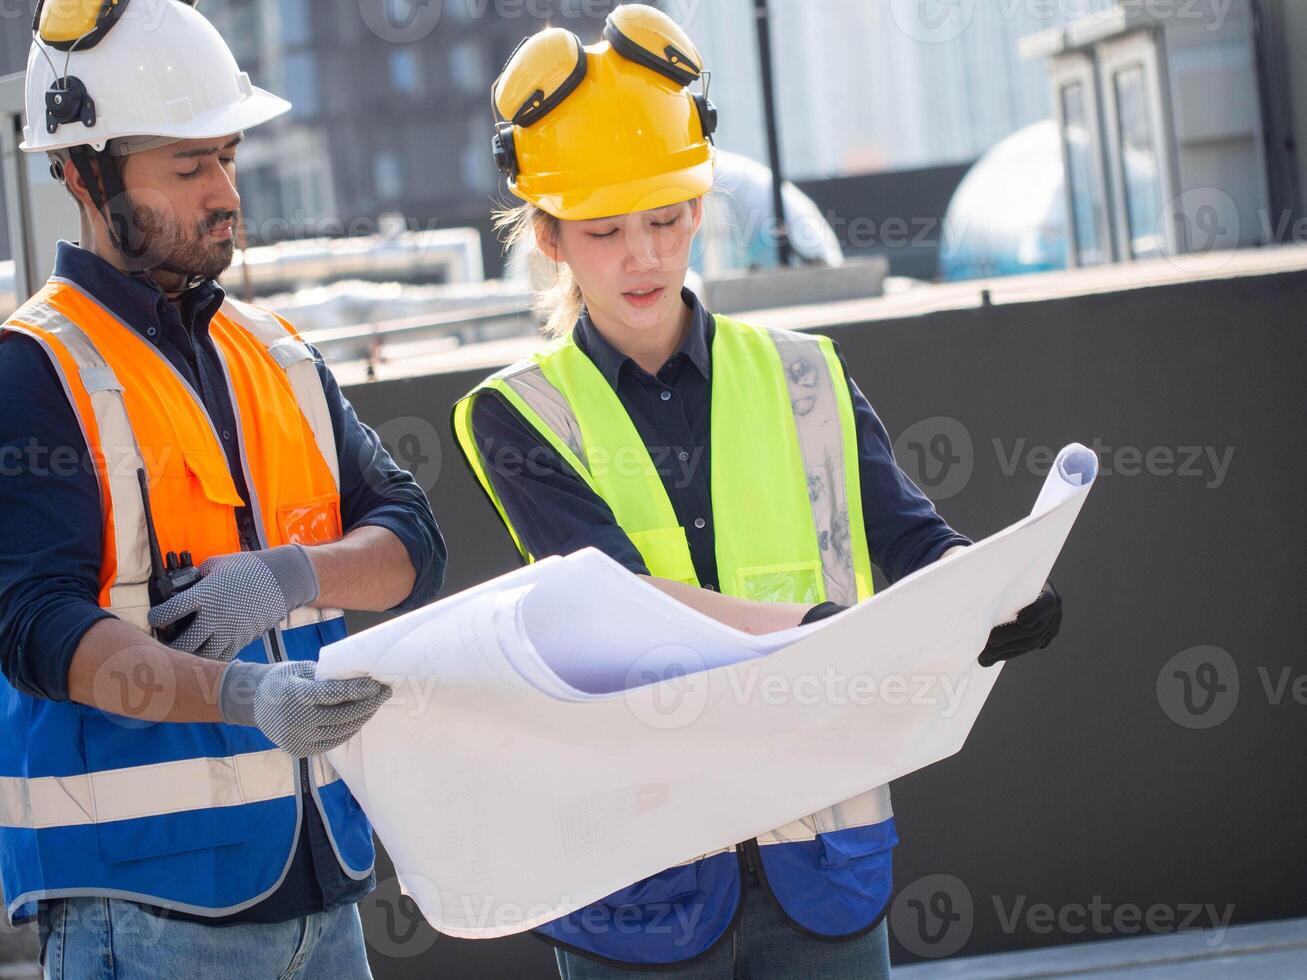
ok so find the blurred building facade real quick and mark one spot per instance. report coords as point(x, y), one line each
point(392, 96)
point(868, 87)
point(15, 39)
point(392, 107)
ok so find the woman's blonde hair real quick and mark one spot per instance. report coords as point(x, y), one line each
point(561, 302)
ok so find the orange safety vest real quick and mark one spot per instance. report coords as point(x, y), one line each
point(95, 804)
point(136, 411)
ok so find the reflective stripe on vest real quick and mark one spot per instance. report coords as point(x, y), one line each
point(93, 803)
point(150, 791)
point(787, 513)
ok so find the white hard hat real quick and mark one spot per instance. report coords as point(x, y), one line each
point(150, 68)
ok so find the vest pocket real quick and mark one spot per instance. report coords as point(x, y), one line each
point(791, 582)
point(665, 886)
point(149, 809)
point(310, 522)
point(843, 847)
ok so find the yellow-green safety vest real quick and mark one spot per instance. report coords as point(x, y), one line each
point(787, 508)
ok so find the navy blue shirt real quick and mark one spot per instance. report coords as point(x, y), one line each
point(556, 513)
point(50, 519)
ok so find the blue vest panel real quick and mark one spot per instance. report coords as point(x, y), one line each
point(835, 886)
point(675, 915)
point(196, 817)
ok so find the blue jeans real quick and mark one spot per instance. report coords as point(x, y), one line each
point(111, 939)
point(764, 947)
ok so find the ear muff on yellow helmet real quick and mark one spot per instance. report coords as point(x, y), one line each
point(649, 37)
point(541, 72)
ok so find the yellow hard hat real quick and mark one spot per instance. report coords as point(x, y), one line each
point(608, 129)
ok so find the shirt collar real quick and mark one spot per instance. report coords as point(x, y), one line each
point(135, 300)
point(697, 345)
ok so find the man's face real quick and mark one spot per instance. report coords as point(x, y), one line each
point(184, 207)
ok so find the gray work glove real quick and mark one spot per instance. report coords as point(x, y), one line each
point(241, 597)
point(302, 715)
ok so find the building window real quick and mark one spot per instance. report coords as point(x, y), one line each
point(1140, 163)
point(302, 85)
point(1079, 150)
point(262, 204)
point(477, 167)
point(388, 175)
point(294, 22)
point(404, 71)
point(467, 67)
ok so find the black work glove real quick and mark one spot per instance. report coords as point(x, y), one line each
point(825, 611)
point(1033, 629)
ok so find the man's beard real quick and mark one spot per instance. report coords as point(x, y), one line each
point(161, 243)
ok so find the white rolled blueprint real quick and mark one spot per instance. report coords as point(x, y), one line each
point(566, 730)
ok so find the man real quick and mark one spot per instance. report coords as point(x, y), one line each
point(166, 810)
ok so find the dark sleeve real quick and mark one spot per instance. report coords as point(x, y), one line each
point(904, 531)
point(50, 523)
point(552, 509)
point(375, 491)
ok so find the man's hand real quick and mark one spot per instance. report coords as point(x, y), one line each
point(1033, 629)
point(240, 598)
point(302, 715)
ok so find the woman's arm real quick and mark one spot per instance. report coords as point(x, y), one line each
point(743, 614)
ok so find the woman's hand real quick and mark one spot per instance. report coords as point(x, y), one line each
point(1033, 629)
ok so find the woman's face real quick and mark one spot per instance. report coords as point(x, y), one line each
point(631, 267)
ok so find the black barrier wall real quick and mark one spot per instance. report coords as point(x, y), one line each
point(1145, 772)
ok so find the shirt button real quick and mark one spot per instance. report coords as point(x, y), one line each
point(667, 396)
point(682, 456)
point(226, 434)
point(710, 587)
point(151, 331)
point(700, 523)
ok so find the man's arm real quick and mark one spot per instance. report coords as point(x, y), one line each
point(50, 525)
point(390, 557)
point(393, 555)
point(119, 669)
point(369, 569)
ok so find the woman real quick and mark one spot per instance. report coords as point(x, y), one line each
point(739, 469)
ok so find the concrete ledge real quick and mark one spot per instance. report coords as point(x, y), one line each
point(861, 278)
point(1266, 950)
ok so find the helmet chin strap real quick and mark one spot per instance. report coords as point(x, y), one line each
point(109, 195)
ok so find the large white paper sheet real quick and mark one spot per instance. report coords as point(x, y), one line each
point(566, 730)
